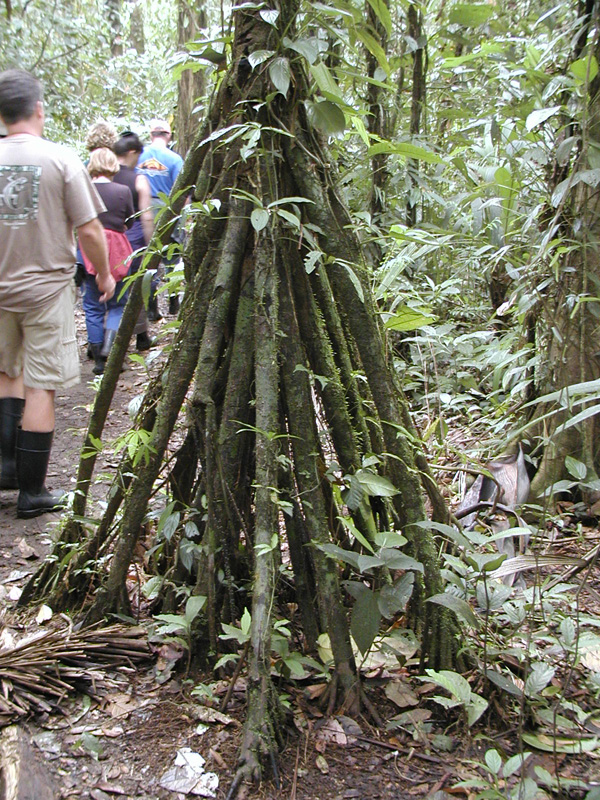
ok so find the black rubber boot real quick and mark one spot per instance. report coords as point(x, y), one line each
point(174, 305)
point(90, 352)
point(109, 339)
point(144, 342)
point(153, 313)
point(33, 455)
point(11, 410)
point(100, 362)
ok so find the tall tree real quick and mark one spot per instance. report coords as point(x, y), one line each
point(296, 429)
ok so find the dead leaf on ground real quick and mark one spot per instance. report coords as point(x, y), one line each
point(26, 550)
point(331, 732)
point(211, 715)
point(322, 765)
point(111, 788)
point(401, 694)
point(120, 705)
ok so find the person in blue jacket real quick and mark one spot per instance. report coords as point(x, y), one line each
point(161, 166)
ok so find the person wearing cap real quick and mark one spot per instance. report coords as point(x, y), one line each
point(45, 193)
point(161, 166)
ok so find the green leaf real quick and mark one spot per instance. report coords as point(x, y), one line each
point(146, 287)
point(471, 15)
point(355, 494)
point(560, 744)
point(354, 278)
point(375, 485)
point(460, 607)
point(289, 217)
point(246, 621)
point(365, 621)
point(539, 677)
point(324, 80)
point(406, 150)
point(309, 48)
point(270, 15)
point(259, 219)
point(475, 708)
point(452, 682)
point(576, 468)
point(514, 764)
point(258, 56)
point(279, 72)
point(408, 319)
point(383, 14)
point(326, 117)
point(493, 761)
point(395, 560)
point(194, 606)
point(350, 526)
point(170, 526)
point(394, 598)
point(373, 46)
point(504, 683)
point(541, 115)
point(579, 69)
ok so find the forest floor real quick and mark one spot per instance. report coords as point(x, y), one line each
point(124, 741)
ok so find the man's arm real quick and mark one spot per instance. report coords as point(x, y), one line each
point(93, 242)
point(142, 184)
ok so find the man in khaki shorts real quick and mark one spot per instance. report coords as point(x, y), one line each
point(45, 193)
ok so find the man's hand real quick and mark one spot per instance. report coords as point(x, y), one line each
point(107, 286)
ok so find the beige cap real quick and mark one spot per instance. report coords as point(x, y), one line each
point(159, 125)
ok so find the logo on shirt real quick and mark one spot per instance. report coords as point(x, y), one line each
point(19, 189)
point(152, 165)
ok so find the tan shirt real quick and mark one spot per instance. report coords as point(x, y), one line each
point(45, 192)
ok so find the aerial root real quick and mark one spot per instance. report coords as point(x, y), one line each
point(354, 703)
point(258, 748)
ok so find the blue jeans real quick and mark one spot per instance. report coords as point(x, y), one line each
point(100, 316)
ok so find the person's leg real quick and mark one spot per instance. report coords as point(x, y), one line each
point(11, 409)
point(94, 321)
point(115, 307)
point(11, 395)
point(49, 350)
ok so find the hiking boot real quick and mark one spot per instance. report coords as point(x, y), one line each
point(153, 313)
point(33, 455)
point(144, 342)
point(174, 305)
point(100, 361)
point(11, 410)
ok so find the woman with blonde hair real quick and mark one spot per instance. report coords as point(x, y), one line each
point(102, 319)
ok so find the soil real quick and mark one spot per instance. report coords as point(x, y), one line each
point(122, 743)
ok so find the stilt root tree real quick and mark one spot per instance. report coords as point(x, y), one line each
point(276, 398)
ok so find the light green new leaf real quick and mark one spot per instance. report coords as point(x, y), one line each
point(258, 56)
point(409, 319)
point(383, 14)
point(194, 606)
point(541, 115)
point(560, 744)
point(472, 15)
point(259, 219)
point(452, 682)
point(376, 485)
point(279, 72)
point(579, 69)
point(406, 150)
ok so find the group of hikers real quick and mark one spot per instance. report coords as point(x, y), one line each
point(130, 179)
point(47, 195)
